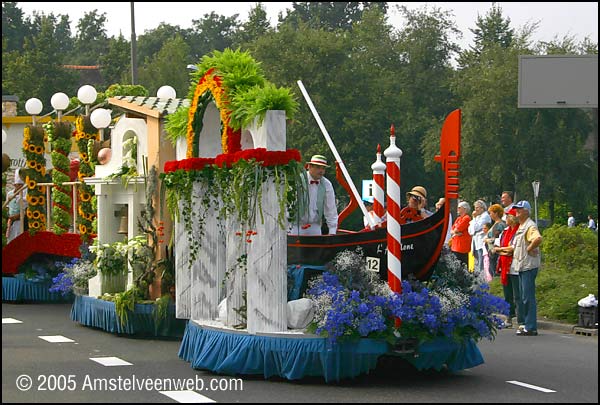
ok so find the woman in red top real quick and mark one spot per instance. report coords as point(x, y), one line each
point(461, 240)
point(510, 284)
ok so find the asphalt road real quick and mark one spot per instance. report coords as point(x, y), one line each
point(552, 367)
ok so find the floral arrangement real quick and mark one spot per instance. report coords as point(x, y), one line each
point(234, 81)
point(350, 303)
point(59, 136)
point(111, 258)
point(74, 276)
point(33, 149)
point(85, 131)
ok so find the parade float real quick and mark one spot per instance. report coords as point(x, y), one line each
point(231, 190)
point(253, 299)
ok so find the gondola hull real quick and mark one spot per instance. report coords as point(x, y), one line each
point(421, 246)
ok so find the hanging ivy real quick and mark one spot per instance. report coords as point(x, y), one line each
point(59, 136)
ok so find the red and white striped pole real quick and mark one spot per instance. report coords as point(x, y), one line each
point(378, 187)
point(394, 245)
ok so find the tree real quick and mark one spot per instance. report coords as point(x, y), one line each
point(14, 27)
point(256, 26)
point(23, 77)
point(212, 32)
point(151, 41)
point(115, 65)
point(91, 42)
point(423, 84)
point(330, 15)
point(167, 67)
point(504, 147)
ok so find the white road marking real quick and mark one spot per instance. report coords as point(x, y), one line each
point(56, 339)
point(10, 320)
point(111, 361)
point(187, 397)
point(533, 387)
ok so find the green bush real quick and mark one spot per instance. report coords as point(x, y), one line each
point(568, 273)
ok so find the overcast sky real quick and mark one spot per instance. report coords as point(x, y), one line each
point(577, 19)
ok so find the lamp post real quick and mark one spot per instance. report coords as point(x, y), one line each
point(166, 92)
point(101, 119)
point(60, 102)
point(33, 106)
point(87, 95)
point(536, 192)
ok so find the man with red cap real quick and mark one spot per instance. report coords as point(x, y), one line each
point(321, 201)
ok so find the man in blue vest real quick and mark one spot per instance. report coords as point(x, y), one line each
point(321, 201)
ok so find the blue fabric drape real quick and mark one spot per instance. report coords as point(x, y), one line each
point(231, 352)
point(456, 356)
point(101, 314)
point(18, 289)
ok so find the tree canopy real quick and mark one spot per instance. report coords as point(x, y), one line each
point(363, 75)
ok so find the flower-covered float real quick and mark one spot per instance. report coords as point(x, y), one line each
point(230, 191)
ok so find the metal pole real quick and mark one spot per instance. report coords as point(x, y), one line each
point(536, 192)
point(133, 48)
point(361, 204)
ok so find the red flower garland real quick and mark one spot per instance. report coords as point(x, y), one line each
point(267, 159)
point(18, 250)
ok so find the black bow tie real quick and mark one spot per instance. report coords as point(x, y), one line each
point(314, 182)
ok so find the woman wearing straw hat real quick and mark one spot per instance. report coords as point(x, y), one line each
point(417, 203)
point(321, 201)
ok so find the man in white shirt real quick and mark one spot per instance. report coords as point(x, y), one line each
point(570, 220)
point(506, 199)
point(321, 201)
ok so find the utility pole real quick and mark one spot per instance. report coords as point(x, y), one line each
point(133, 47)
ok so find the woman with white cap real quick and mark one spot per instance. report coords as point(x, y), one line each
point(16, 204)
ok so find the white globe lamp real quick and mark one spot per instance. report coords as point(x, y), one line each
point(87, 95)
point(60, 102)
point(166, 92)
point(33, 106)
point(101, 119)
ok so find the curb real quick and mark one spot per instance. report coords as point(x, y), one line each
point(555, 326)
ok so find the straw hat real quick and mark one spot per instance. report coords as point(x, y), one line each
point(418, 191)
point(318, 160)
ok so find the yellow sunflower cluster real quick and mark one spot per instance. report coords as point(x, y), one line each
point(35, 169)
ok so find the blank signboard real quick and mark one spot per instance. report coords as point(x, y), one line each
point(558, 81)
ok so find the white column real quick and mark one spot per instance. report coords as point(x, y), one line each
point(235, 280)
point(208, 269)
point(267, 268)
point(183, 281)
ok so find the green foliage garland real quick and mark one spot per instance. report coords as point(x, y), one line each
point(84, 131)
point(59, 136)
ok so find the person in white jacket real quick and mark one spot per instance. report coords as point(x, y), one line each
point(321, 201)
point(480, 217)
